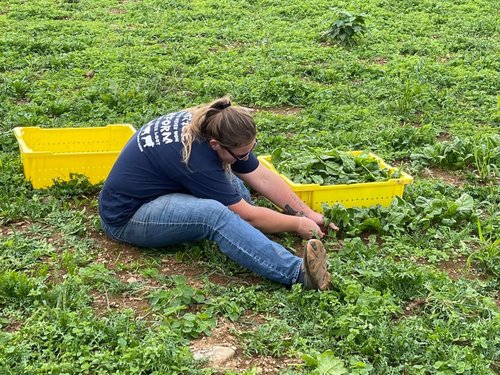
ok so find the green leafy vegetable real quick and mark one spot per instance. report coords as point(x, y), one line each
point(330, 167)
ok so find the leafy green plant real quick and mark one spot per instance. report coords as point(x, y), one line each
point(402, 216)
point(486, 151)
point(481, 153)
point(408, 100)
point(181, 295)
point(20, 253)
point(347, 27)
point(78, 185)
point(455, 154)
point(191, 325)
point(15, 287)
point(226, 307)
point(270, 338)
point(488, 254)
point(329, 167)
point(442, 211)
point(102, 278)
point(324, 363)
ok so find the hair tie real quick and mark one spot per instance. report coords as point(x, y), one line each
point(228, 104)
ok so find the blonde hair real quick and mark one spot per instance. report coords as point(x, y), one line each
point(231, 126)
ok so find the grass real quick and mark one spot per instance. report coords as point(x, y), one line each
point(419, 88)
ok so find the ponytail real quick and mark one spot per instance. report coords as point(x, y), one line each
point(231, 126)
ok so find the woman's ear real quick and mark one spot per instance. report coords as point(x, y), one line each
point(214, 144)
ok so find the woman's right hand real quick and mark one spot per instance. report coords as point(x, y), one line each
point(308, 229)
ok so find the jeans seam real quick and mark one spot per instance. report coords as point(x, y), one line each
point(159, 223)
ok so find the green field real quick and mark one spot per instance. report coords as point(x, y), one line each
point(415, 286)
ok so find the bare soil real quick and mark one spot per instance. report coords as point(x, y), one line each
point(458, 269)
point(284, 111)
point(222, 336)
point(450, 177)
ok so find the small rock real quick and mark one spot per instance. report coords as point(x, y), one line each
point(215, 354)
point(132, 279)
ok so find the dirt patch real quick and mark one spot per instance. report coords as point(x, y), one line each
point(413, 307)
point(22, 101)
point(221, 336)
point(416, 121)
point(103, 303)
point(444, 59)
point(13, 326)
point(284, 111)
point(117, 11)
point(20, 226)
point(442, 137)
point(112, 253)
point(263, 364)
point(447, 176)
point(380, 60)
point(458, 268)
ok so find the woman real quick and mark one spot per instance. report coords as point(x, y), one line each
point(173, 182)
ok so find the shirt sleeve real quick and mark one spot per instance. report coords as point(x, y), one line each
point(246, 166)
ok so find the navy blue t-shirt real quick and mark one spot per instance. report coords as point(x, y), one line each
point(150, 165)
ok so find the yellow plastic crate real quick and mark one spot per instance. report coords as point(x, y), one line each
point(49, 154)
point(349, 195)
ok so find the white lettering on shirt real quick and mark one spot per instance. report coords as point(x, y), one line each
point(163, 130)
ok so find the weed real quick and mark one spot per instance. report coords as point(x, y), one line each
point(486, 151)
point(324, 363)
point(16, 288)
point(191, 325)
point(346, 28)
point(181, 295)
point(102, 278)
point(271, 338)
point(20, 253)
point(488, 254)
point(226, 306)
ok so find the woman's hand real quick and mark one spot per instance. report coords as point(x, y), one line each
point(320, 220)
point(307, 228)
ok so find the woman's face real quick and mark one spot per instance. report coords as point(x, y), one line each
point(232, 155)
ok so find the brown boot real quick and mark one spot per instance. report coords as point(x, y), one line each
point(316, 276)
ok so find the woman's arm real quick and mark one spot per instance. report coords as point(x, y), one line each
point(271, 186)
point(270, 221)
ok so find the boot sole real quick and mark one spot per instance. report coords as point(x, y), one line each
point(315, 264)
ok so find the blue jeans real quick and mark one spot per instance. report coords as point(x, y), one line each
point(176, 218)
